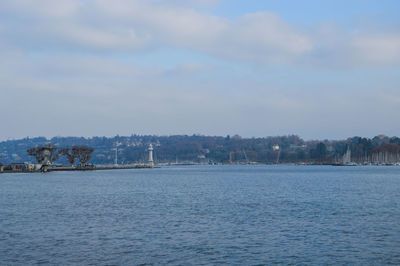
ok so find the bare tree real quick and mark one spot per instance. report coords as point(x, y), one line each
point(44, 154)
point(67, 152)
point(35, 153)
point(82, 153)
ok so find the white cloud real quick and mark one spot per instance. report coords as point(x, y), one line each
point(132, 25)
point(258, 36)
point(264, 36)
point(188, 3)
point(165, 24)
point(50, 8)
point(93, 37)
point(377, 48)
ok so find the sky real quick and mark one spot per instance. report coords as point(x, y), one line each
point(319, 69)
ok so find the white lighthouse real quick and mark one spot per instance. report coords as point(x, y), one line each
point(151, 162)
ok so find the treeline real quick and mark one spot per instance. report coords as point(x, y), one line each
point(198, 148)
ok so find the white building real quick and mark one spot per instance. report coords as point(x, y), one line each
point(151, 162)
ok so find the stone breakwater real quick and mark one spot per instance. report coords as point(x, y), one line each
point(30, 168)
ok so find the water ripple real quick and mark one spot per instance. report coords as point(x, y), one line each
point(251, 215)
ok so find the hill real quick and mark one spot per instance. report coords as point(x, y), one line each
point(204, 149)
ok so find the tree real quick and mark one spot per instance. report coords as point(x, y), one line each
point(44, 154)
point(67, 152)
point(319, 152)
point(82, 153)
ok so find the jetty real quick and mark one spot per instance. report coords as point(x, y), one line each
point(47, 155)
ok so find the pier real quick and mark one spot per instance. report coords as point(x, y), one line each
point(47, 155)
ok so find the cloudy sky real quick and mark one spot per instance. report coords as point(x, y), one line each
point(319, 69)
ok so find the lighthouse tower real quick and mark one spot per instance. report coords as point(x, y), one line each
point(151, 162)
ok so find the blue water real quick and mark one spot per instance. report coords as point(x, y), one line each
point(202, 215)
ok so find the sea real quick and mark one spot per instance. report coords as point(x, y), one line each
point(202, 215)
